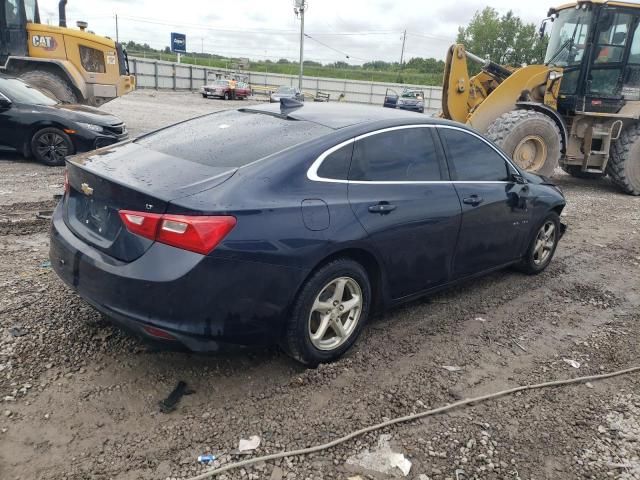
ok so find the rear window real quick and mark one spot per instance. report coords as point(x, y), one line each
point(231, 138)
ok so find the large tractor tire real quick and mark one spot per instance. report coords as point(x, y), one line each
point(576, 171)
point(624, 164)
point(50, 84)
point(530, 138)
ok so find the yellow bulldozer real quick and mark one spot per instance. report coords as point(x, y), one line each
point(579, 110)
point(71, 65)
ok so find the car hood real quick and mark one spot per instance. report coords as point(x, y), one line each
point(80, 113)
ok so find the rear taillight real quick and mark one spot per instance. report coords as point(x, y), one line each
point(196, 233)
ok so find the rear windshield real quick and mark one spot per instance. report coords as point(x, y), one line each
point(231, 138)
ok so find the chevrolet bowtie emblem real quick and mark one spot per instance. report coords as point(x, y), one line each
point(86, 189)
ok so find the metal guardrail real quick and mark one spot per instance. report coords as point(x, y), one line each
point(174, 76)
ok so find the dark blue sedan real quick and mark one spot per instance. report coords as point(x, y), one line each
point(289, 224)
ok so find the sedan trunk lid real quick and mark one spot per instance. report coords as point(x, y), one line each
point(129, 177)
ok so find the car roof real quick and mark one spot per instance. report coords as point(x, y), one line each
point(338, 115)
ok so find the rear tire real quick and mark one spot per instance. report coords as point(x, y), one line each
point(329, 313)
point(624, 164)
point(542, 246)
point(530, 138)
point(576, 171)
point(51, 146)
point(50, 84)
point(204, 95)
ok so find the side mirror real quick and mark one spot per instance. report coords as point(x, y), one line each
point(542, 29)
point(517, 178)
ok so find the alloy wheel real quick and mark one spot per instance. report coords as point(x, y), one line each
point(52, 147)
point(335, 313)
point(545, 242)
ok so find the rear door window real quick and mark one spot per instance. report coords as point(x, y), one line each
point(335, 166)
point(472, 159)
point(407, 154)
point(231, 138)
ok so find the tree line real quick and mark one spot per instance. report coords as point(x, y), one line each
point(505, 39)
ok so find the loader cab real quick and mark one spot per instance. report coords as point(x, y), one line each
point(14, 16)
point(598, 47)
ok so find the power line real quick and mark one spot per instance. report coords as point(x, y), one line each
point(335, 49)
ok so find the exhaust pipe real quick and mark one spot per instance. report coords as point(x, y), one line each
point(62, 13)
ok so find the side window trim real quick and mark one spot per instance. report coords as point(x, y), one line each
point(312, 172)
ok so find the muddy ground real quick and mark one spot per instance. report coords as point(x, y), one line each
point(79, 399)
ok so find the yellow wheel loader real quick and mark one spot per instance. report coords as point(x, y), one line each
point(73, 66)
point(580, 110)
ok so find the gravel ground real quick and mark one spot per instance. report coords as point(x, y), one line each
point(79, 399)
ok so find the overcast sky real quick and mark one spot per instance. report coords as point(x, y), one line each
point(363, 29)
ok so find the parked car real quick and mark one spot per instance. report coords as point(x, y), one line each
point(409, 99)
point(194, 236)
point(286, 92)
point(222, 89)
point(37, 126)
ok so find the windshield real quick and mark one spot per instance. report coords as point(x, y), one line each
point(222, 83)
point(31, 11)
point(285, 90)
point(19, 92)
point(568, 37)
point(417, 95)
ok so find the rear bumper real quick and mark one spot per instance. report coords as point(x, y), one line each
point(201, 301)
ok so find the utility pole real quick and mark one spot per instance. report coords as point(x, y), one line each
point(300, 7)
point(117, 34)
point(404, 39)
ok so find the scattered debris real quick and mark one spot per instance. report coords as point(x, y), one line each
point(588, 385)
point(249, 445)
point(452, 368)
point(46, 264)
point(573, 363)
point(206, 458)
point(169, 404)
point(382, 459)
point(520, 346)
point(480, 319)
point(17, 331)
point(277, 474)
point(44, 215)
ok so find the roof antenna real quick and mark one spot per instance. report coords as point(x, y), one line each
point(288, 105)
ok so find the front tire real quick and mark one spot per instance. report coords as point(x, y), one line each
point(227, 96)
point(624, 164)
point(542, 246)
point(50, 84)
point(51, 146)
point(531, 139)
point(329, 313)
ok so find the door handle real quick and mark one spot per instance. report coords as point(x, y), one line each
point(382, 208)
point(473, 200)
